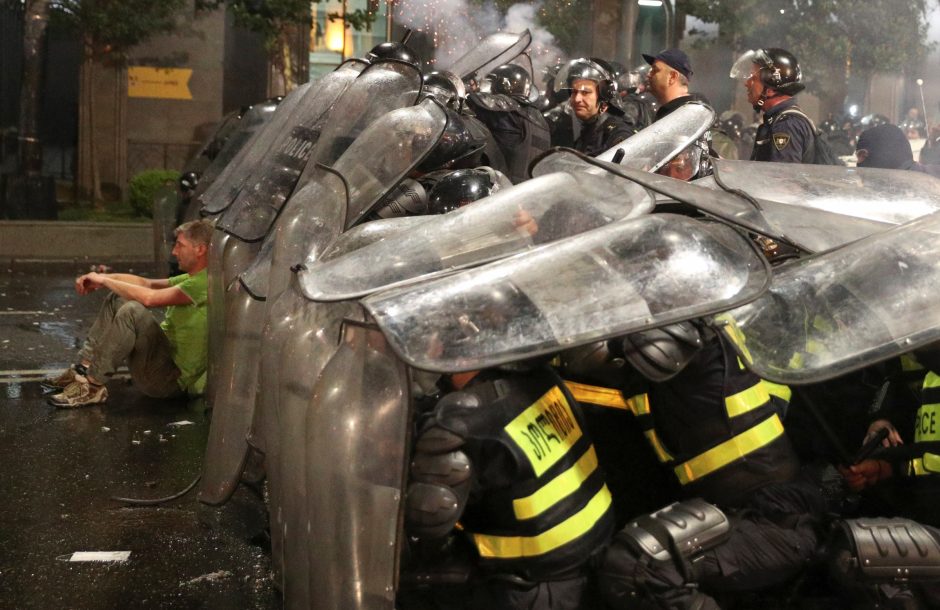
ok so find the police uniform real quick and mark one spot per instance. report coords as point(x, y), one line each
point(717, 426)
point(783, 137)
point(538, 506)
point(519, 129)
point(601, 133)
point(916, 465)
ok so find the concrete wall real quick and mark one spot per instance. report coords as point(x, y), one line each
point(94, 242)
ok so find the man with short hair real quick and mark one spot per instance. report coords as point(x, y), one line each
point(668, 80)
point(165, 359)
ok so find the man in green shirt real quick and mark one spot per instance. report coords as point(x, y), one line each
point(165, 359)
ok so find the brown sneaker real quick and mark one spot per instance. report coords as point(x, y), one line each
point(79, 393)
point(61, 381)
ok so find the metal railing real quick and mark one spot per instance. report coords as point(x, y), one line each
point(142, 156)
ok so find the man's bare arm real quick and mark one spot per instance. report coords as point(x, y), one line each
point(145, 295)
point(84, 286)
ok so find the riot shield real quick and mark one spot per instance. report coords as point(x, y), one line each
point(165, 207)
point(653, 146)
point(228, 257)
point(519, 218)
point(886, 196)
point(249, 124)
point(381, 156)
point(370, 233)
point(233, 395)
point(836, 312)
point(624, 277)
point(275, 175)
point(218, 195)
point(494, 50)
point(815, 207)
point(386, 85)
point(298, 341)
point(357, 427)
point(791, 225)
point(381, 88)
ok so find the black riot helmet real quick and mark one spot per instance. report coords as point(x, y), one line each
point(188, 182)
point(511, 80)
point(587, 69)
point(445, 87)
point(457, 145)
point(779, 69)
point(463, 186)
point(393, 50)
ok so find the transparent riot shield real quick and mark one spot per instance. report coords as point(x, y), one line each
point(357, 426)
point(298, 341)
point(624, 277)
point(250, 122)
point(165, 208)
point(836, 200)
point(371, 167)
point(836, 312)
point(381, 88)
point(215, 197)
point(494, 50)
point(519, 218)
point(233, 394)
point(228, 257)
point(653, 146)
point(275, 175)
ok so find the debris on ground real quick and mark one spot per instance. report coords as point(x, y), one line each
point(210, 577)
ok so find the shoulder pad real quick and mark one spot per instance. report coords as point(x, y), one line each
point(495, 102)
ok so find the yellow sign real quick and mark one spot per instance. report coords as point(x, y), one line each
point(545, 431)
point(162, 83)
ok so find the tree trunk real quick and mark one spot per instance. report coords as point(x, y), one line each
point(90, 176)
point(36, 19)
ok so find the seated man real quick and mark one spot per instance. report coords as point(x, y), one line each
point(164, 359)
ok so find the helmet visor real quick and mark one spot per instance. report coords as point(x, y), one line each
point(579, 69)
point(744, 64)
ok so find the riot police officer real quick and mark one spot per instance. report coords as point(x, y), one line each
point(518, 127)
point(668, 80)
point(509, 457)
point(772, 77)
point(748, 520)
point(592, 91)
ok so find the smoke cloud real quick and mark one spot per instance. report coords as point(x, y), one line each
point(456, 27)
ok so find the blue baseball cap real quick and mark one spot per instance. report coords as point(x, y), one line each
point(675, 59)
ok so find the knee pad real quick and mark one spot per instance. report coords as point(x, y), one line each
point(875, 551)
point(673, 536)
point(686, 528)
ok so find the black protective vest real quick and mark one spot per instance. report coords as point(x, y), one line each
point(715, 425)
point(519, 129)
point(540, 506)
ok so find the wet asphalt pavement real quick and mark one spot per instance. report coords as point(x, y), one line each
point(60, 469)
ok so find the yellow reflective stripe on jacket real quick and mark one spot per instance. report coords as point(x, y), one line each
point(657, 445)
point(747, 400)
point(929, 464)
point(730, 450)
point(575, 526)
point(779, 390)
point(755, 396)
point(639, 404)
point(557, 489)
point(609, 397)
point(597, 395)
point(734, 334)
